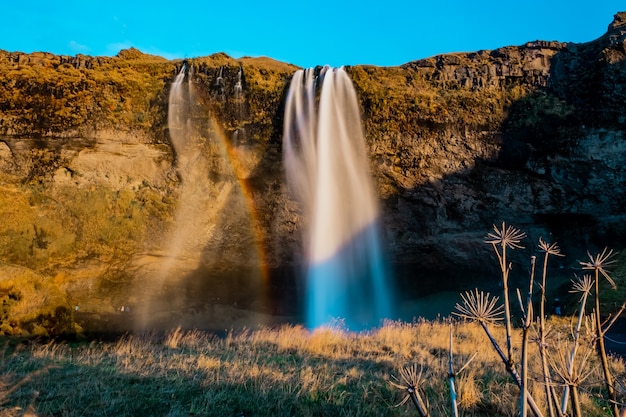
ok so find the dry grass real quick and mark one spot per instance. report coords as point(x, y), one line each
point(270, 372)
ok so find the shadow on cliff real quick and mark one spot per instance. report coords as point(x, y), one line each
point(558, 173)
point(568, 136)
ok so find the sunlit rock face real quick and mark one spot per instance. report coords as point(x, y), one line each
point(91, 180)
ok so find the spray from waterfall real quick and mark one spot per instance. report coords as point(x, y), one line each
point(327, 169)
point(213, 212)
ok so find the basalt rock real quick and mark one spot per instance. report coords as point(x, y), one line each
point(534, 135)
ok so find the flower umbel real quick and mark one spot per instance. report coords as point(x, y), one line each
point(550, 248)
point(506, 236)
point(600, 262)
point(479, 306)
point(582, 285)
point(410, 378)
point(568, 369)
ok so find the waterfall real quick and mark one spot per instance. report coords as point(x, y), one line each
point(327, 170)
point(239, 135)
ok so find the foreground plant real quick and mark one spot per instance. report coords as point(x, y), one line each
point(410, 380)
point(583, 286)
point(554, 250)
point(484, 309)
point(527, 314)
point(452, 376)
point(571, 372)
point(599, 264)
point(500, 240)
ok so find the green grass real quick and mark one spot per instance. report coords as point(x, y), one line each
point(267, 372)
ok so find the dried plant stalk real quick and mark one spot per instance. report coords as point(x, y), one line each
point(584, 286)
point(452, 377)
point(598, 264)
point(528, 319)
point(505, 237)
point(483, 309)
point(548, 249)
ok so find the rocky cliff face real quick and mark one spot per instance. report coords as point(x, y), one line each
point(533, 135)
point(94, 191)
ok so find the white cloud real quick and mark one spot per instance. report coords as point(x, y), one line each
point(78, 47)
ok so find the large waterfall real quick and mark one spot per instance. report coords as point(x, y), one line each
point(327, 169)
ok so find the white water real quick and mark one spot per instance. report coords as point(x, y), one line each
point(178, 113)
point(327, 169)
point(239, 135)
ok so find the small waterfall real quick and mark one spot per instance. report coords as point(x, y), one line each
point(178, 110)
point(187, 238)
point(327, 169)
point(219, 84)
point(238, 85)
point(239, 135)
point(212, 252)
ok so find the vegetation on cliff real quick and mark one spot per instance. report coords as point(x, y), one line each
point(44, 95)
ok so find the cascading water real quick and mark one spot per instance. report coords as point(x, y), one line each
point(327, 169)
point(239, 135)
point(213, 212)
point(179, 112)
point(184, 240)
point(192, 167)
point(219, 84)
point(238, 85)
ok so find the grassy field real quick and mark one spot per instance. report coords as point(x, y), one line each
point(284, 371)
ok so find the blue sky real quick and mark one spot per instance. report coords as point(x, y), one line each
point(387, 32)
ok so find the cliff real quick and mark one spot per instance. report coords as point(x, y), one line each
point(93, 189)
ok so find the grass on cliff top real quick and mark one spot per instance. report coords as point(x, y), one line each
point(49, 95)
point(269, 372)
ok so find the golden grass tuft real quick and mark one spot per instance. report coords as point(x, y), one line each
point(469, 390)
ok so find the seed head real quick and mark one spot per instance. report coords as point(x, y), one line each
point(572, 370)
point(550, 248)
point(600, 262)
point(506, 236)
point(480, 307)
point(582, 285)
point(410, 379)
